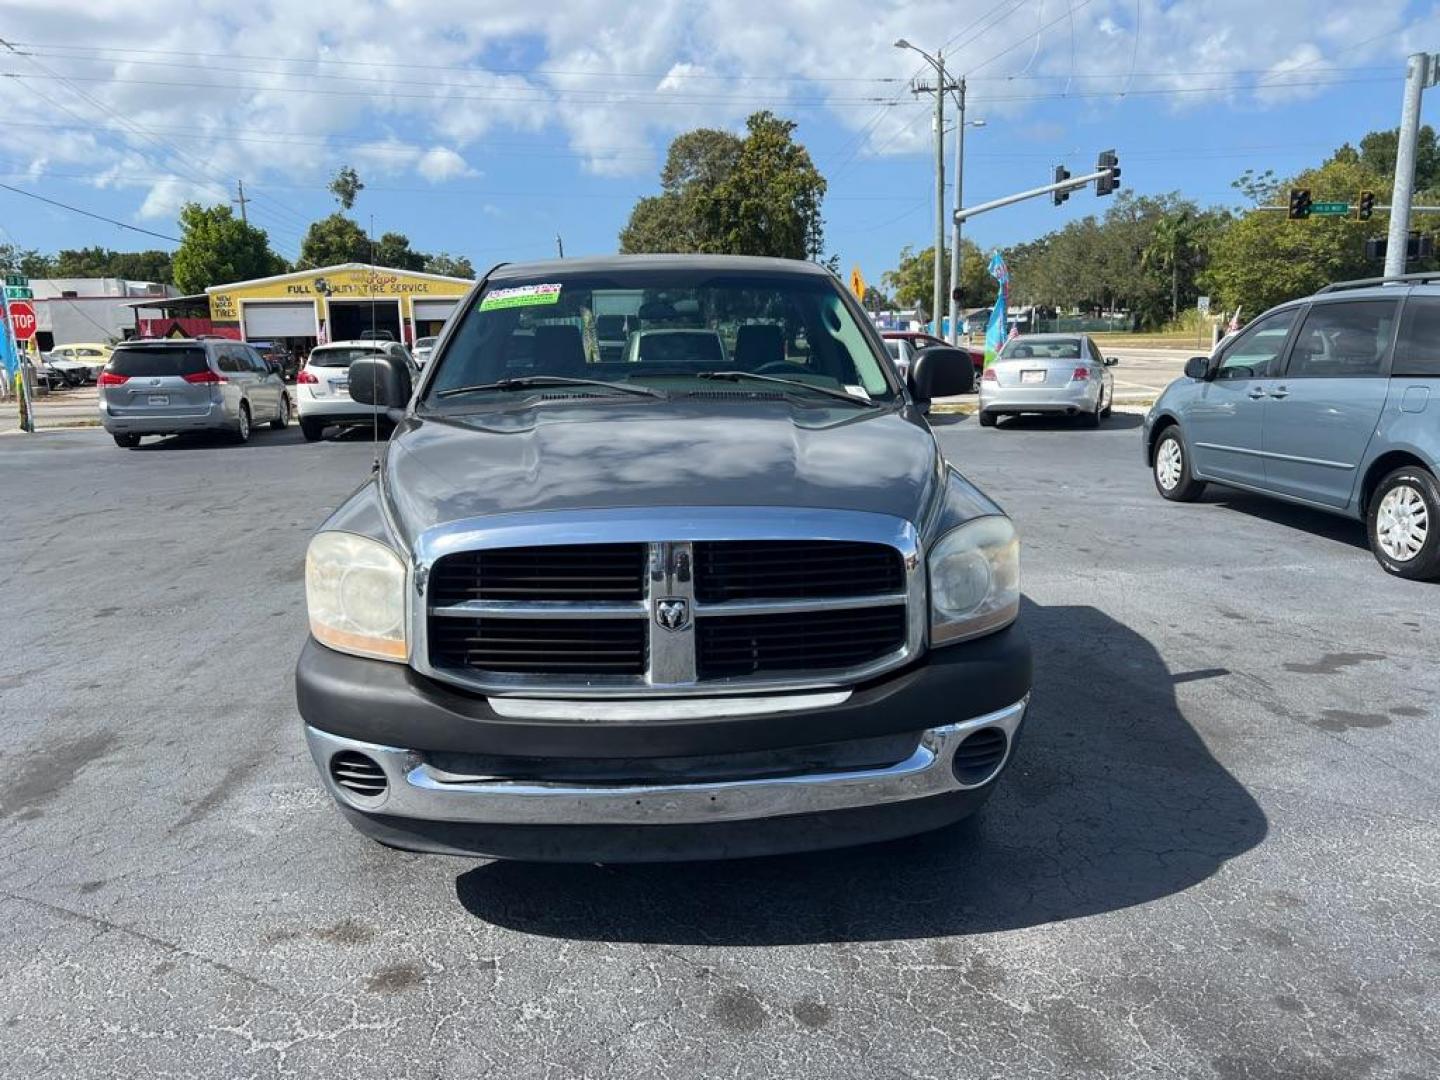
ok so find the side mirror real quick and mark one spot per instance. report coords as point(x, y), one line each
point(380, 380)
point(940, 371)
point(1111, 361)
point(1197, 367)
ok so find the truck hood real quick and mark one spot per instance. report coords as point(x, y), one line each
point(612, 454)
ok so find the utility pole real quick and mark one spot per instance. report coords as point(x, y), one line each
point(940, 89)
point(241, 200)
point(955, 250)
point(1421, 72)
point(559, 246)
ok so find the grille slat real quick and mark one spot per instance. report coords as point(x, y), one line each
point(563, 646)
point(576, 572)
point(794, 569)
point(811, 641)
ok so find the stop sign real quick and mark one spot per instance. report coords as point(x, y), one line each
point(22, 319)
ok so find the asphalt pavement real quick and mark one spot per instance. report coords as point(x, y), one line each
point(1217, 855)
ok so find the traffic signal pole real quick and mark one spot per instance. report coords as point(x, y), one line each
point(1072, 184)
point(1418, 75)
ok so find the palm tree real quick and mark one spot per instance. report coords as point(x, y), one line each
point(1171, 246)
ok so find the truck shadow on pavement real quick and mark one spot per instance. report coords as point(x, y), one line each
point(1112, 800)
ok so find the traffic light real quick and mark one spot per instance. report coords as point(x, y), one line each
point(1061, 175)
point(1107, 162)
point(1367, 205)
point(1299, 204)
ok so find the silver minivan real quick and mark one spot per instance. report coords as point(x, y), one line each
point(182, 385)
point(1331, 401)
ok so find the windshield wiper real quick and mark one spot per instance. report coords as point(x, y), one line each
point(534, 382)
point(799, 384)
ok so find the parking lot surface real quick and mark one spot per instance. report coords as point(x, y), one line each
point(1217, 855)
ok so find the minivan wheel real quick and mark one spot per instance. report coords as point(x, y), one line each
point(129, 442)
point(282, 418)
point(311, 429)
point(1173, 478)
point(242, 432)
point(1403, 521)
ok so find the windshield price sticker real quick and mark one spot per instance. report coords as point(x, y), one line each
point(521, 296)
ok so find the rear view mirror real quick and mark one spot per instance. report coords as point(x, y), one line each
point(941, 371)
point(380, 380)
point(1111, 361)
point(1197, 367)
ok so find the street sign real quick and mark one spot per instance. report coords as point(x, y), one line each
point(1202, 304)
point(1329, 208)
point(17, 279)
point(19, 292)
point(22, 320)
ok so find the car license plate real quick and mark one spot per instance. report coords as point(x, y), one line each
point(1032, 376)
point(340, 387)
point(159, 399)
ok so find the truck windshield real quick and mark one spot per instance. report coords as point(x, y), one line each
point(665, 329)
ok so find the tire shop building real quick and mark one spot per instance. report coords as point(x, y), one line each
point(335, 303)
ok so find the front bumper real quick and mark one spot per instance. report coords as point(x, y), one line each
point(524, 791)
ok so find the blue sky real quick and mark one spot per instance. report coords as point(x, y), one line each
point(485, 132)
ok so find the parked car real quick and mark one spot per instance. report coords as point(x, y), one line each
point(182, 385)
point(84, 361)
point(423, 348)
point(280, 357)
point(322, 389)
point(376, 335)
point(614, 611)
point(1060, 374)
point(53, 378)
point(1330, 401)
point(910, 341)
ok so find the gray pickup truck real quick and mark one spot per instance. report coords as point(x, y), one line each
point(594, 606)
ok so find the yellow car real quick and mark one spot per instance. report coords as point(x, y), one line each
point(84, 358)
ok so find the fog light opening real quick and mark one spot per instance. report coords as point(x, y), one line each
point(979, 756)
point(359, 776)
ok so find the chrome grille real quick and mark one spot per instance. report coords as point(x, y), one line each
point(750, 602)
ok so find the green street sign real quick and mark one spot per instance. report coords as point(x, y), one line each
point(19, 292)
point(1330, 208)
point(19, 280)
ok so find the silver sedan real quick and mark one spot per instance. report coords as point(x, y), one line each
point(1048, 373)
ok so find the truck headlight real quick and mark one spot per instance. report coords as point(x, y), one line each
point(355, 592)
point(974, 580)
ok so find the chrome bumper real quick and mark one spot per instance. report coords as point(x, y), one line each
point(415, 791)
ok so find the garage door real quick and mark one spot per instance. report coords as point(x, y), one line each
point(434, 310)
point(286, 319)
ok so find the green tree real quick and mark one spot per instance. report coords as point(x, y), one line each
point(1263, 259)
point(217, 247)
point(334, 239)
point(346, 185)
point(393, 250)
point(1172, 246)
point(722, 194)
point(27, 261)
point(448, 265)
point(913, 281)
point(875, 300)
point(1378, 151)
point(150, 265)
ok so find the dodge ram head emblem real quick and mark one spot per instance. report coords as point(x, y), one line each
point(672, 614)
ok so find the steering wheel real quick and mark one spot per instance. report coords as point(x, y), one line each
point(778, 367)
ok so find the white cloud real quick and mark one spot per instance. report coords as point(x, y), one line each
point(440, 163)
point(177, 106)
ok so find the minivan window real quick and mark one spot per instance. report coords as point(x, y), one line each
point(138, 361)
point(1343, 340)
point(339, 357)
point(230, 362)
point(1255, 354)
point(1417, 353)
